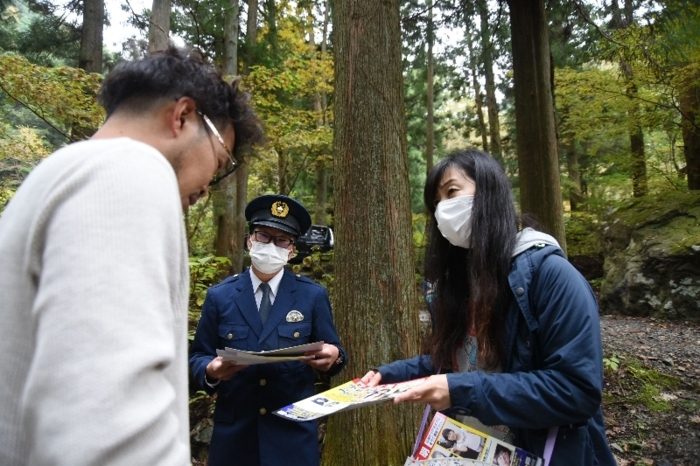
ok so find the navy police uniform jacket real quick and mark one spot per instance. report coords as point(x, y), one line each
point(553, 373)
point(245, 430)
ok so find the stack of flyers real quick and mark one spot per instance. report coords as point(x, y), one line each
point(350, 395)
point(447, 438)
point(293, 353)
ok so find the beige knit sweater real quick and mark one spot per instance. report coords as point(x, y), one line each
point(93, 311)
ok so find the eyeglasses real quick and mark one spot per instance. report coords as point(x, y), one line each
point(279, 241)
point(231, 165)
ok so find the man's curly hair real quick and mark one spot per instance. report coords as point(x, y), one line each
point(137, 86)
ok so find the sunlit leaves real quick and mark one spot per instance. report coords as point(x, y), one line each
point(63, 97)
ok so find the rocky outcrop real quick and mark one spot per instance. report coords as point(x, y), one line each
point(652, 258)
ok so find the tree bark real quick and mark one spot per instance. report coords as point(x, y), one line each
point(638, 157)
point(572, 165)
point(159, 29)
point(320, 110)
point(242, 173)
point(538, 163)
point(690, 109)
point(251, 35)
point(227, 214)
point(231, 19)
point(91, 38)
point(487, 60)
point(430, 130)
point(374, 291)
point(477, 89)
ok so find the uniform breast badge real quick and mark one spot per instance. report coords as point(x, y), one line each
point(295, 316)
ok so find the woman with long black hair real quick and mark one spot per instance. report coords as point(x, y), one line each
point(515, 349)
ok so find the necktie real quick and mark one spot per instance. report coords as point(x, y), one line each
point(265, 303)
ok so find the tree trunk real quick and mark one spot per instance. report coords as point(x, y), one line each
point(91, 39)
point(230, 62)
point(240, 226)
point(638, 157)
point(229, 221)
point(487, 60)
point(575, 195)
point(251, 35)
point(224, 215)
point(538, 164)
point(282, 173)
point(374, 291)
point(159, 29)
point(477, 89)
point(321, 171)
point(271, 19)
point(242, 173)
point(639, 162)
point(430, 126)
point(690, 109)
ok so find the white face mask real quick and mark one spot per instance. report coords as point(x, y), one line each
point(454, 219)
point(268, 258)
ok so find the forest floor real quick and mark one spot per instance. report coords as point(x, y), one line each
point(651, 398)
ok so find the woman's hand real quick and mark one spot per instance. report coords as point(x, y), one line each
point(372, 378)
point(218, 369)
point(433, 391)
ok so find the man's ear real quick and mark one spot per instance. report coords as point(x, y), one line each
point(183, 113)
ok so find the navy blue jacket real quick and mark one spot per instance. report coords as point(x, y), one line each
point(245, 430)
point(553, 373)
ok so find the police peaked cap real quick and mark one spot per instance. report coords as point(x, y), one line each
point(277, 211)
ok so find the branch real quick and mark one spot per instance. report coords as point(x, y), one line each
point(35, 112)
point(588, 20)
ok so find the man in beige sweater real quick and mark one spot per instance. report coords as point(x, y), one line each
point(94, 275)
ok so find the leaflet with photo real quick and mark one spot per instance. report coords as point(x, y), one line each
point(350, 395)
point(293, 353)
point(447, 438)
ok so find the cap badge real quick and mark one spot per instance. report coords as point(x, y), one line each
point(280, 209)
point(295, 316)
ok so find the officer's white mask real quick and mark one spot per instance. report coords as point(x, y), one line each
point(454, 220)
point(268, 258)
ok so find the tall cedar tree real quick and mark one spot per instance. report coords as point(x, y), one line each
point(159, 27)
point(374, 288)
point(538, 163)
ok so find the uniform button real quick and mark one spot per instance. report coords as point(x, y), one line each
point(527, 343)
point(296, 334)
point(263, 382)
point(263, 410)
point(229, 336)
point(520, 291)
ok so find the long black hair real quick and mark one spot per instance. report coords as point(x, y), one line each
point(471, 284)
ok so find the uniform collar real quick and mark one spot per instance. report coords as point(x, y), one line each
point(274, 281)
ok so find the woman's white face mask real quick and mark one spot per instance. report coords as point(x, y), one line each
point(268, 258)
point(454, 220)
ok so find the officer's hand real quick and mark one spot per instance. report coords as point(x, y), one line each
point(372, 378)
point(433, 391)
point(322, 359)
point(218, 369)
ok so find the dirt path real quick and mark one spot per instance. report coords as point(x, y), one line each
point(652, 398)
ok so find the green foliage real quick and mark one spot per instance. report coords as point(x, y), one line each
point(41, 31)
point(611, 364)
point(583, 234)
point(62, 97)
point(204, 272)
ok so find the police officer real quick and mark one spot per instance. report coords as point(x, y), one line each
point(265, 308)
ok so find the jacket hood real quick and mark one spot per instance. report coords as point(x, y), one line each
point(530, 237)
